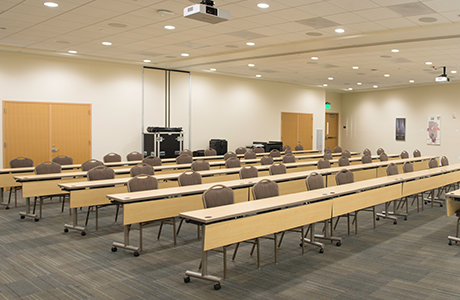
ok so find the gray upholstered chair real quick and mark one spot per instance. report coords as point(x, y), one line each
point(408, 168)
point(184, 158)
point(240, 150)
point(259, 150)
point(63, 160)
point(286, 147)
point(327, 150)
point(288, 152)
point(230, 154)
point(366, 159)
point(248, 171)
point(417, 153)
point(324, 164)
point(134, 155)
point(47, 167)
point(112, 157)
point(298, 147)
point(383, 157)
point(210, 152)
point(288, 159)
point(233, 162)
point(143, 168)
point(276, 169)
point(392, 169)
point(189, 178)
point(187, 152)
point(275, 153)
point(444, 161)
point(266, 160)
point(200, 165)
point(338, 149)
point(90, 164)
point(250, 155)
point(367, 152)
point(404, 154)
point(346, 154)
point(433, 163)
point(314, 181)
point(344, 161)
point(18, 162)
point(380, 151)
point(328, 155)
point(152, 160)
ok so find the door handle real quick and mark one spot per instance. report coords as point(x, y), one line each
point(55, 150)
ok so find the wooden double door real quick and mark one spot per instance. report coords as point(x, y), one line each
point(42, 131)
point(332, 130)
point(297, 128)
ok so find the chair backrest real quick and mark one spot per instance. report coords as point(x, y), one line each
point(184, 158)
point(133, 156)
point(327, 150)
point(276, 169)
point(259, 150)
point(383, 157)
point(90, 164)
point(408, 167)
point(288, 159)
point(248, 171)
point(337, 149)
point(143, 168)
point(266, 160)
point(21, 162)
point(344, 161)
point(100, 173)
point(327, 155)
point(288, 152)
point(265, 189)
point(142, 182)
point(444, 161)
point(346, 153)
point(152, 160)
point(298, 147)
point(366, 159)
point(250, 155)
point(47, 167)
point(233, 162)
point(187, 152)
point(367, 152)
point(380, 151)
point(63, 160)
point(286, 147)
point(404, 154)
point(344, 176)
point(433, 163)
point(112, 157)
point(417, 153)
point(392, 169)
point(229, 155)
point(240, 150)
point(324, 164)
point(189, 178)
point(218, 195)
point(210, 152)
point(275, 153)
point(314, 181)
point(200, 165)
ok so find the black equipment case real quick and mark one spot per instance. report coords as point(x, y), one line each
point(163, 142)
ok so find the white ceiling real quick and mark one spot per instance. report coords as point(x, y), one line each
point(286, 36)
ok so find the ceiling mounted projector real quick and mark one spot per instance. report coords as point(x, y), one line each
point(206, 12)
point(443, 77)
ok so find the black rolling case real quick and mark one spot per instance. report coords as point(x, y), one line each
point(219, 145)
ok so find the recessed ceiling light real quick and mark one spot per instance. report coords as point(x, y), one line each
point(258, 75)
point(387, 75)
point(185, 54)
point(147, 60)
point(263, 5)
point(51, 4)
point(375, 86)
point(453, 72)
point(395, 50)
point(314, 58)
point(170, 27)
point(106, 43)
point(72, 51)
point(251, 65)
point(350, 89)
point(325, 84)
point(428, 63)
point(355, 68)
point(359, 83)
point(411, 81)
point(330, 78)
point(212, 69)
point(250, 44)
point(340, 30)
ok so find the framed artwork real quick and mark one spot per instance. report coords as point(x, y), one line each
point(400, 129)
point(433, 133)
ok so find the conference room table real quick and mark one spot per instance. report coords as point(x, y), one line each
point(147, 206)
point(234, 223)
point(453, 207)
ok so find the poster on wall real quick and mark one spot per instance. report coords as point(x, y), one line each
point(400, 129)
point(433, 133)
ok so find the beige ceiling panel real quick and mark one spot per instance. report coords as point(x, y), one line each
point(237, 11)
point(322, 9)
point(346, 18)
point(398, 23)
point(291, 14)
point(354, 5)
point(268, 20)
point(443, 5)
point(434, 19)
point(366, 27)
point(375, 14)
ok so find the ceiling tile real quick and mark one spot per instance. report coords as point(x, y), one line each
point(411, 9)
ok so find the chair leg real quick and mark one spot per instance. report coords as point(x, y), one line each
point(174, 231)
point(116, 213)
point(63, 202)
point(356, 222)
point(159, 230)
point(87, 215)
point(35, 205)
point(275, 239)
point(236, 250)
point(225, 262)
point(373, 214)
point(180, 225)
point(41, 206)
point(258, 252)
point(281, 238)
point(97, 217)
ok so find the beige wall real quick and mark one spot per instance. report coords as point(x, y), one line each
point(370, 118)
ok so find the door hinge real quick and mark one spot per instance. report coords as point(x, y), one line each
point(4, 110)
point(89, 112)
point(5, 144)
point(89, 142)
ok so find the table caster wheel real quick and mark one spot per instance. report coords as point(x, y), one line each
point(36, 220)
point(405, 218)
point(300, 245)
point(187, 279)
point(114, 249)
point(136, 253)
point(7, 207)
point(23, 217)
point(338, 243)
point(217, 286)
point(377, 218)
point(450, 243)
point(440, 205)
point(395, 222)
point(66, 230)
point(83, 233)
point(321, 250)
